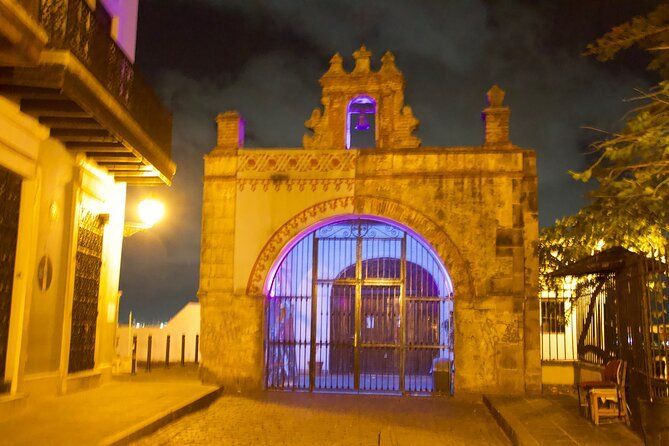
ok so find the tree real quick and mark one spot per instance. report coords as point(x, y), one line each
point(629, 205)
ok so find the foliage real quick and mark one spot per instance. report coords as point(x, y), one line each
point(629, 206)
point(576, 236)
point(649, 32)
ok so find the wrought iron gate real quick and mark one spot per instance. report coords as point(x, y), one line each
point(359, 305)
point(10, 198)
point(86, 290)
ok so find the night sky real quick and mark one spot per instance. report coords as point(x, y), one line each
point(264, 58)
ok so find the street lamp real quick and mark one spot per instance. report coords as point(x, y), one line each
point(150, 212)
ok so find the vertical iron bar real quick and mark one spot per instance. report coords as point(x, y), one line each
point(148, 354)
point(133, 365)
point(314, 315)
point(664, 326)
point(646, 327)
point(197, 347)
point(358, 309)
point(323, 324)
point(167, 352)
point(183, 350)
point(403, 325)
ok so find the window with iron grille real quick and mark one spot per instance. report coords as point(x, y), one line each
point(86, 292)
point(552, 316)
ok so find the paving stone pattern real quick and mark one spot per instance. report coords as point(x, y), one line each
point(275, 418)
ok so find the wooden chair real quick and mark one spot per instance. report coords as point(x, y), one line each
point(609, 380)
point(610, 402)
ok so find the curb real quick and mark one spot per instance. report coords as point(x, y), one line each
point(163, 418)
point(503, 424)
point(518, 436)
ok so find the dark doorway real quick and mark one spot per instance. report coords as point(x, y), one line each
point(380, 324)
point(10, 200)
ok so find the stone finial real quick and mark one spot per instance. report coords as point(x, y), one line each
point(230, 130)
point(321, 138)
point(495, 96)
point(362, 57)
point(496, 118)
point(388, 64)
point(336, 65)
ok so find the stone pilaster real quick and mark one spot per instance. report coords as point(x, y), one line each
point(217, 258)
point(532, 347)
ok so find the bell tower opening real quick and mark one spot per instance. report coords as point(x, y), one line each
point(361, 123)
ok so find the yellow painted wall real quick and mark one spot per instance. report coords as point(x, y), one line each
point(557, 373)
point(55, 185)
point(272, 208)
point(46, 315)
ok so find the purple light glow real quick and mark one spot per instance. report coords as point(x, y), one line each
point(242, 133)
point(360, 106)
point(363, 123)
point(340, 218)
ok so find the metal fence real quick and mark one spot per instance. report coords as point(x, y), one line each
point(575, 319)
point(359, 306)
point(558, 340)
point(613, 304)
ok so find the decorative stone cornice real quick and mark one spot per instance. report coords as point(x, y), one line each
point(298, 161)
point(297, 185)
point(429, 230)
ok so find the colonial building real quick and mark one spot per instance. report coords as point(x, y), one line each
point(77, 125)
point(365, 262)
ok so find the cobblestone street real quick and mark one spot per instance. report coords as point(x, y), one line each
point(298, 419)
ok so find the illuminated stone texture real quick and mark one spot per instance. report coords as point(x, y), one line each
point(475, 205)
point(77, 125)
point(396, 122)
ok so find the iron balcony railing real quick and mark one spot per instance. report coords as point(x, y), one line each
point(73, 26)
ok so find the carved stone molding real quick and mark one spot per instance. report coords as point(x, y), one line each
point(287, 232)
point(298, 185)
point(299, 161)
point(397, 212)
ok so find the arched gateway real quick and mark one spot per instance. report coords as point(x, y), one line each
point(363, 261)
point(359, 304)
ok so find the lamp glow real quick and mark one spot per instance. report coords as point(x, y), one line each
point(150, 211)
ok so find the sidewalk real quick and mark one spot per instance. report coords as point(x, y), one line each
point(553, 420)
point(111, 413)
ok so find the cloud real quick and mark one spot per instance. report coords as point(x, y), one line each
point(265, 58)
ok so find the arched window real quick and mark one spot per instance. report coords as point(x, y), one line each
point(361, 123)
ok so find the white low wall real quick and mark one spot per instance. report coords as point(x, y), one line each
point(185, 323)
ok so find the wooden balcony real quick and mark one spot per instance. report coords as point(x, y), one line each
point(59, 62)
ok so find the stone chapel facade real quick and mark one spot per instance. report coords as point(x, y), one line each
point(271, 315)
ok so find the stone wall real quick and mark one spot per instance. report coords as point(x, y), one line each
point(476, 206)
point(481, 203)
